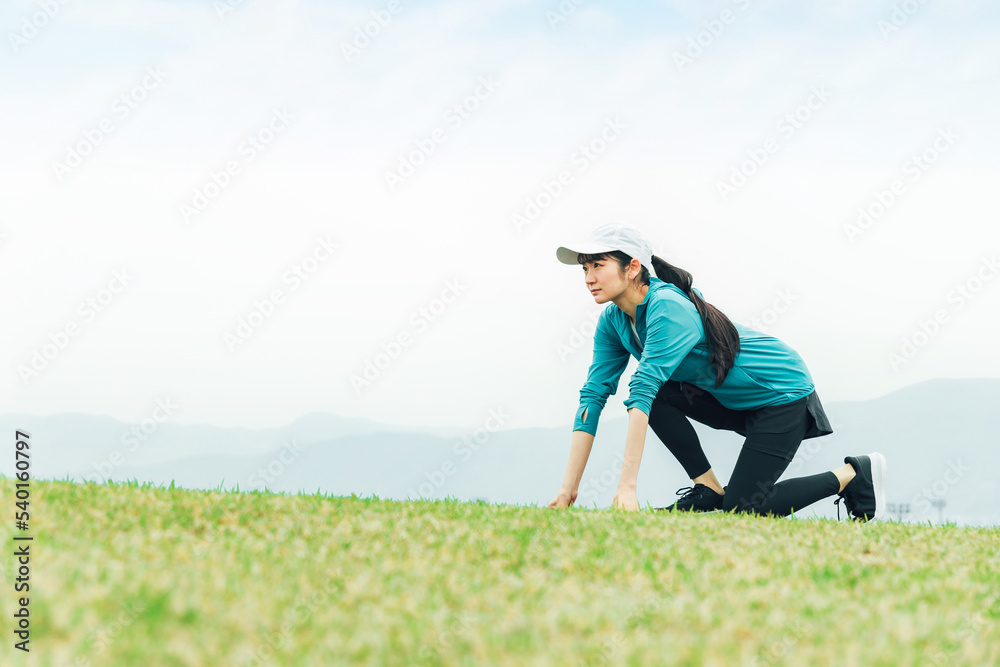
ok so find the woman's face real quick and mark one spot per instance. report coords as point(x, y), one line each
point(602, 275)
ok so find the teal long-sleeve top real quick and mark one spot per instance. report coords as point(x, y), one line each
point(672, 346)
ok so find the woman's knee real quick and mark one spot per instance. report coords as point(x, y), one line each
point(664, 414)
point(733, 503)
point(750, 499)
point(742, 506)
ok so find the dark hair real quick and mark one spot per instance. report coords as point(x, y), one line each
point(722, 337)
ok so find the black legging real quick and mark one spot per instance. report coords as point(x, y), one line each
point(773, 435)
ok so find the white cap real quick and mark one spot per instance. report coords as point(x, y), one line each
point(608, 237)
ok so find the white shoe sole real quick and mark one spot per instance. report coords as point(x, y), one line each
point(878, 482)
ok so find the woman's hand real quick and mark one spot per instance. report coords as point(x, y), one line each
point(564, 498)
point(625, 499)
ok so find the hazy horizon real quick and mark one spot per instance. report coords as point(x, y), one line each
point(330, 454)
point(606, 413)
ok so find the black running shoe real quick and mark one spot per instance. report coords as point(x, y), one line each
point(697, 498)
point(864, 495)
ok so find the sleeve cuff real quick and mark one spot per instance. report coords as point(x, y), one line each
point(593, 415)
point(642, 403)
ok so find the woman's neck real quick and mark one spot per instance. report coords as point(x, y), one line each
point(630, 304)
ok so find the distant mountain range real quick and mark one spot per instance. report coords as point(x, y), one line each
point(936, 436)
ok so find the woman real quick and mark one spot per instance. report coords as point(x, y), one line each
point(694, 363)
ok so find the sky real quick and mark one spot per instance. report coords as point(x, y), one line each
point(259, 209)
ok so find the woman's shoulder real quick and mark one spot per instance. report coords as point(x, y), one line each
point(663, 289)
point(667, 295)
point(609, 314)
point(669, 291)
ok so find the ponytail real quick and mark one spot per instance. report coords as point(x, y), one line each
point(723, 339)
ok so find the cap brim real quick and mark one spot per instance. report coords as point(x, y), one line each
point(567, 256)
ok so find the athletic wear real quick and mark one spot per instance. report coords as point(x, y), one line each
point(773, 435)
point(697, 498)
point(635, 334)
point(609, 237)
point(752, 487)
point(865, 494)
point(768, 397)
point(671, 345)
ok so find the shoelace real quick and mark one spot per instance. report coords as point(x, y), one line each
point(684, 492)
point(837, 503)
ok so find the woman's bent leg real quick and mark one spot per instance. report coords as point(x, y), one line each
point(670, 415)
point(674, 430)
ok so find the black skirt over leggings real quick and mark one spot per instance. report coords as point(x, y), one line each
point(773, 434)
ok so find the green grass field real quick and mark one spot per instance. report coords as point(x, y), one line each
point(141, 575)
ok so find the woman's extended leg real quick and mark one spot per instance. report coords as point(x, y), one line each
point(752, 488)
point(773, 436)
